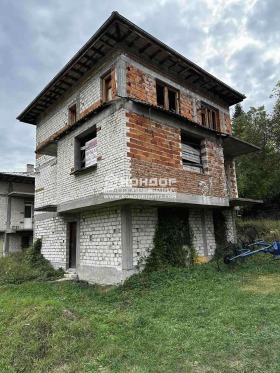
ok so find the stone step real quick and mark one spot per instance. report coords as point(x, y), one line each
point(71, 276)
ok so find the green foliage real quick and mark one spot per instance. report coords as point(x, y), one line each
point(26, 266)
point(257, 173)
point(249, 230)
point(172, 245)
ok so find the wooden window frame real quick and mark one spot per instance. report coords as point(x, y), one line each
point(72, 114)
point(209, 117)
point(80, 148)
point(167, 88)
point(105, 97)
point(194, 143)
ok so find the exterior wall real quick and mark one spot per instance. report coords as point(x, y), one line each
point(52, 230)
point(141, 84)
point(201, 222)
point(144, 220)
point(155, 152)
point(111, 155)
point(231, 232)
point(4, 186)
point(46, 181)
point(231, 178)
point(17, 213)
point(14, 243)
point(87, 95)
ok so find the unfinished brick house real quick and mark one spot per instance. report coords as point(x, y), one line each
point(127, 107)
point(16, 210)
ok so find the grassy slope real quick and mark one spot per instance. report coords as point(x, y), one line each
point(176, 321)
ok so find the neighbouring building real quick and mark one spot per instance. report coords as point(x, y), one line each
point(16, 210)
point(129, 131)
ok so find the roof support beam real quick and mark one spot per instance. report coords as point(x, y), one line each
point(141, 50)
point(153, 55)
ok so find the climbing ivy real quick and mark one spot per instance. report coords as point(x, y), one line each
point(172, 245)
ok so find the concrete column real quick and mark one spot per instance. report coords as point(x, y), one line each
point(127, 244)
point(204, 234)
point(121, 76)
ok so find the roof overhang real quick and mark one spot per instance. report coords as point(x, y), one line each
point(17, 178)
point(234, 147)
point(119, 31)
point(243, 201)
point(50, 208)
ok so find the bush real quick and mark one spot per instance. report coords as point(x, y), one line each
point(26, 266)
point(172, 245)
point(250, 230)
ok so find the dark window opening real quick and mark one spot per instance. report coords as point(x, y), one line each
point(86, 149)
point(172, 100)
point(167, 97)
point(72, 114)
point(160, 95)
point(181, 213)
point(27, 211)
point(203, 119)
point(25, 242)
point(107, 88)
point(191, 153)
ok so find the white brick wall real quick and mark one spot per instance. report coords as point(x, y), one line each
point(87, 92)
point(14, 243)
point(100, 238)
point(196, 227)
point(111, 146)
point(3, 212)
point(209, 227)
point(52, 231)
point(144, 220)
point(45, 181)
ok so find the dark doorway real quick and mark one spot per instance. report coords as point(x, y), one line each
point(72, 244)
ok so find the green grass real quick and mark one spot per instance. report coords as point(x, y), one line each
point(176, 320)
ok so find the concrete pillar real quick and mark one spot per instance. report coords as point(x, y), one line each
point(127, 243)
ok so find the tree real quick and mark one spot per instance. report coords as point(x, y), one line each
point(257, 173)
point(238, 111)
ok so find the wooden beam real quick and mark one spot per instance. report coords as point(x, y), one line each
point(141, 50)
point(133, 41)
point(98, 51)
point(153, 55)
point(125, 35)
point(118, 32)
point(164, 59)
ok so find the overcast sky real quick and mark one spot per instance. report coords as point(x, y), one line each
point(238, 42)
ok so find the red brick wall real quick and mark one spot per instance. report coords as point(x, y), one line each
point(155, 151)
point(139, 85)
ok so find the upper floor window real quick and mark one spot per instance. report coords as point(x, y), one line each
point(72, 114)
point(191, 153)
point(86, 150)
point(209, 117)
point(167, 97)
point(107, 88)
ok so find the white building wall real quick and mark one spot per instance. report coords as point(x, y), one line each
point(17, 213)
point(4, 186)
point(144, 220)
point(210, 233)
point(52, 230)
point(100, 238)
point(111, 150)
point(46, 181)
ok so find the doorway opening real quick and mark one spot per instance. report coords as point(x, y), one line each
point(72, 244)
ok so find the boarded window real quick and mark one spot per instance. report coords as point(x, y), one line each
point(191, 154)
point(87, 151)
point(167, 97)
